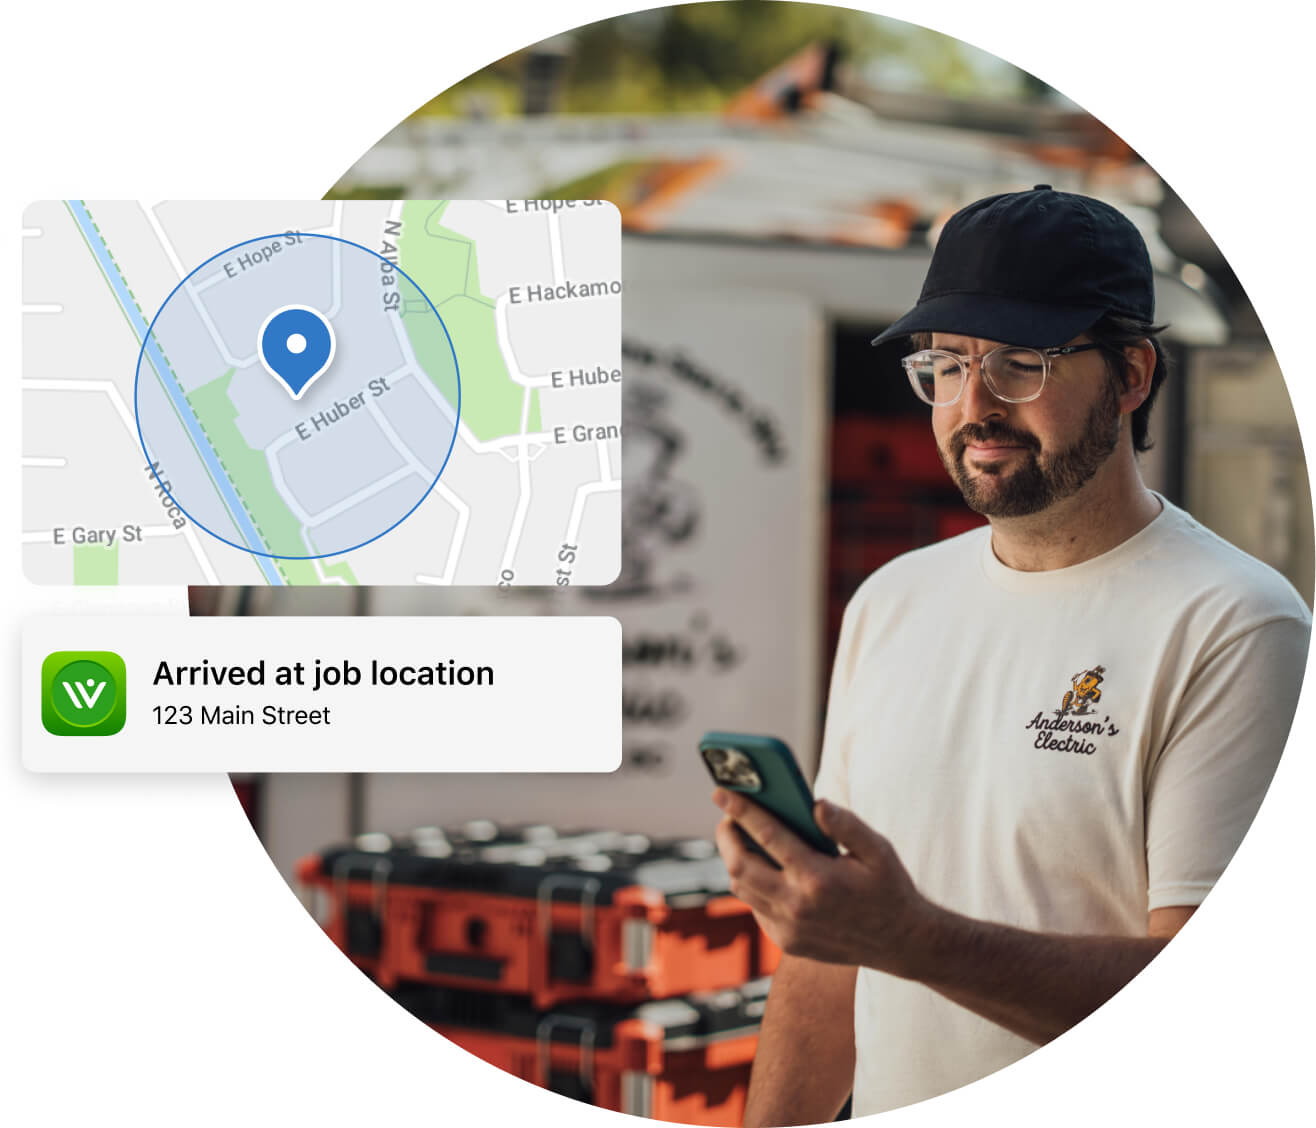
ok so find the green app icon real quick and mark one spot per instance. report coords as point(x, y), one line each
point(83, 693)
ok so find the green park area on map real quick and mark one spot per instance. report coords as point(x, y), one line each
point(444, 265)
point(96, 565)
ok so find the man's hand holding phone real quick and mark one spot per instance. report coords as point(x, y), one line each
point(860, 908)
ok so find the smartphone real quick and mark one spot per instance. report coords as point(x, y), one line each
point(763, 769)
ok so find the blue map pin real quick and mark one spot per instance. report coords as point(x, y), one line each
point(295, 345)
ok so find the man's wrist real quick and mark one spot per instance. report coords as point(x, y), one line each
point(929, 938)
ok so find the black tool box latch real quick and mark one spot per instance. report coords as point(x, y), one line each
point(581, 1086)
point(570, 955)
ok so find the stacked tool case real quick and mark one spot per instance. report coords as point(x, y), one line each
point(612, 967)
point(684, 1059)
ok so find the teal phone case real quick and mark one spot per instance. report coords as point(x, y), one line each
point(780, 789)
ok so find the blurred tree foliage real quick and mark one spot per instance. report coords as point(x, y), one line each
point(691, 57)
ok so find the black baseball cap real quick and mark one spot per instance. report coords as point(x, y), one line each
point(1032, 268)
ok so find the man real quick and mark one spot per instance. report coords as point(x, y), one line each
point(1045, 738)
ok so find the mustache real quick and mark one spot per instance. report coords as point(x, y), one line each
point(991, 433)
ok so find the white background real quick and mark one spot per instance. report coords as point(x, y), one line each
point(158, 971)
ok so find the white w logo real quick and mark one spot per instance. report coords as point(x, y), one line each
point(87, 699)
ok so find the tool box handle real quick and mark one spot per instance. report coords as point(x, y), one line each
point(544, 1043)
point(380, 869)
point(589, 890)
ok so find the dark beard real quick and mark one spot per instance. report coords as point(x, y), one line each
point(1037, 483)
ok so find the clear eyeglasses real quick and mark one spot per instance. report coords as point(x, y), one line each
point(1014, 374)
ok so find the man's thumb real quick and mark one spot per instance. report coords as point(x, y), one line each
point(849, 830)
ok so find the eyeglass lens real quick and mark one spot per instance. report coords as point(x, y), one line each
point(1014, 373)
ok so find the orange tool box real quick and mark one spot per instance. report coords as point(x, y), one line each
point(684, 1059)
point(532, 911)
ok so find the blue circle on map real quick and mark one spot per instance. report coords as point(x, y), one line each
point(345, 411)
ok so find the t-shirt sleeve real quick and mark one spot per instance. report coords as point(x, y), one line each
point(832, 782)
point(1224, 745)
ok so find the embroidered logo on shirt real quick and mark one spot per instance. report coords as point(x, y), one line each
point(1085, 694)
point(1071, 718)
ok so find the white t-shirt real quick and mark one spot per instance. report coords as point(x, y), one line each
point(949, 730)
